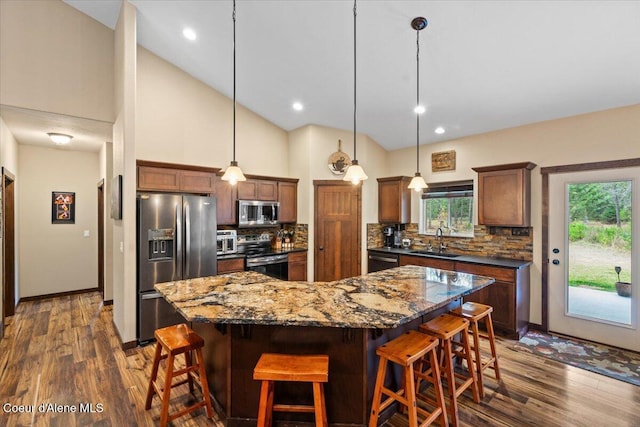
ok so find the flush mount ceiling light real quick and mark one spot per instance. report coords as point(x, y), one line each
point(298, 106)
point(355, 173)
point(189, 34)
point(417, 183)
point(439, 130)
point(59, 138)
point(233, 173)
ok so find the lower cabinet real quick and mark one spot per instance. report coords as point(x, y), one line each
point(297, 266)
point(231, 265)
point(509, 297)
point(442, 264)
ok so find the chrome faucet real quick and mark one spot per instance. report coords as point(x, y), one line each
point(440, 238)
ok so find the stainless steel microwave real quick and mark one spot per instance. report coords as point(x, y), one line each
point(256, 213)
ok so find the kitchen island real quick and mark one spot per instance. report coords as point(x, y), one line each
point(242, 315)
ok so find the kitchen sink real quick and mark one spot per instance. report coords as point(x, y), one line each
point(436, 254)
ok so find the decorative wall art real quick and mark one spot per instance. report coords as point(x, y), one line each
point(63, 207)
point(339, 161)
point(443, 161)
point(116, 197)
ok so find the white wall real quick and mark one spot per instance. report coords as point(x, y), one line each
point(605, 135)
point(55, 58)
point(57, 258)
point(181, 120)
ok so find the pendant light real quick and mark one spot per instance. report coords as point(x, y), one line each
point(233, 173)
point(355, 173)
point(417, 183)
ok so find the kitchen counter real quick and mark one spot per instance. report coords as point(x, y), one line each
point(242, 315)
point(385, 299)
point(496, 262)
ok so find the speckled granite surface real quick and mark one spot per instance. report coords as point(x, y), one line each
point(385, 299)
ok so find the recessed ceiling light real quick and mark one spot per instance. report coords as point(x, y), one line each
point(189, 34)
point(59, 138)
point(419, 109)
point(298, 106)
point(439, 130)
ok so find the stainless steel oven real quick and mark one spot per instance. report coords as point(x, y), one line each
point(274, 265)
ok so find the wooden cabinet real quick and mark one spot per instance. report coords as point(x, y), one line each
point(297, 266)
point(152, 178)
point(394, 200)
point(258, 189)
point(504, 195)
point(226, 206)
point(230, 265)
point(288, 198)
point(442, 264)
point(509, 296)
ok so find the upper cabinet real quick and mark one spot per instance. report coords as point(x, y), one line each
point(394, 200)
point(154, 176)
point(504, 195)
point(288, 198)
point(226, 207)
point(258, 189)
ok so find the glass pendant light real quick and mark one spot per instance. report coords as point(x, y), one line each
point(417, 183)
point(233, 173)
point(355, 173)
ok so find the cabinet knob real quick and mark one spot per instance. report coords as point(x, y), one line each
point(321, 248)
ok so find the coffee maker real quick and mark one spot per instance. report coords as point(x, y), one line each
point(388, 236)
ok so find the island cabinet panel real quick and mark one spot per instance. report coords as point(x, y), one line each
point(258, 189)
point(231, 265)
point(504, 195)
point(509, 297)
point(394, 200)
point(442, 264)
point(226, 206)
point(297, 266)
point(288, 198)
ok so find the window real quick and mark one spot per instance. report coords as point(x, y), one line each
point(448, 205)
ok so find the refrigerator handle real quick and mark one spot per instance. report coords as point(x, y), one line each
point(187, 241)
point(178, 249)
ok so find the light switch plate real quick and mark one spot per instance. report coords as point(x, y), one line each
point(86, 233)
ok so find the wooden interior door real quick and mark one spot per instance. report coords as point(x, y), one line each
point(8, 240)
point(337, 230)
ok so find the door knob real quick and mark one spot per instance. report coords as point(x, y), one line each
point(555, 262)
point(321, 248)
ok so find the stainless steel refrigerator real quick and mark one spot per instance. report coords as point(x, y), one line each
point(176, 240)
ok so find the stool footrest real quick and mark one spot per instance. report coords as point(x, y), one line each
point(293, 408)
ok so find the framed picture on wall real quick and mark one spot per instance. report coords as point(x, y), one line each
point(63, 207)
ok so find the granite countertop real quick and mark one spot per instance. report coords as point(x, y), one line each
point(497, 262)
point(385, 299)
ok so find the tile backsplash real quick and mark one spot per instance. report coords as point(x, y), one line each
point(500, 243)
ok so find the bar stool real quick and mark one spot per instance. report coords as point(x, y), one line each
point(406, 350)
point(286, 367)
point(445, 327)
point(175, 340)
point(475, 312)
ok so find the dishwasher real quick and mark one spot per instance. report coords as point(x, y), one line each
point(378, 261)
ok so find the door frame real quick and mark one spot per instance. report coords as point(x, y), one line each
point(545, 172)
point(101, 237)
point(337, 183)
point(8, 248)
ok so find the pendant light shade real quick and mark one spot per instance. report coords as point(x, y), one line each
point(233, 173)
point(417, 183)
point(354, 173)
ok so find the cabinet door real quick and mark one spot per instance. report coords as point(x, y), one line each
point(442, 264)
point(158, 179)
point(247, 190)
point(297, 269)
point(197, 182)
point(268, 190)
point(226, 202)
point(230, 265)
point(258, 189)
point(288, 198)
point(394, 200)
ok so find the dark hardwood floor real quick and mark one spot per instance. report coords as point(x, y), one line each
point(65, 351)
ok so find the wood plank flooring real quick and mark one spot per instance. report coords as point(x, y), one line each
point(65, 351)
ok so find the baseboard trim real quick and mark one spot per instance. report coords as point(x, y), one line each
point(107, 302)
point(55, 295)
point(536, 327)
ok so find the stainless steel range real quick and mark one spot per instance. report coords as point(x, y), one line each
point(261, 258)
